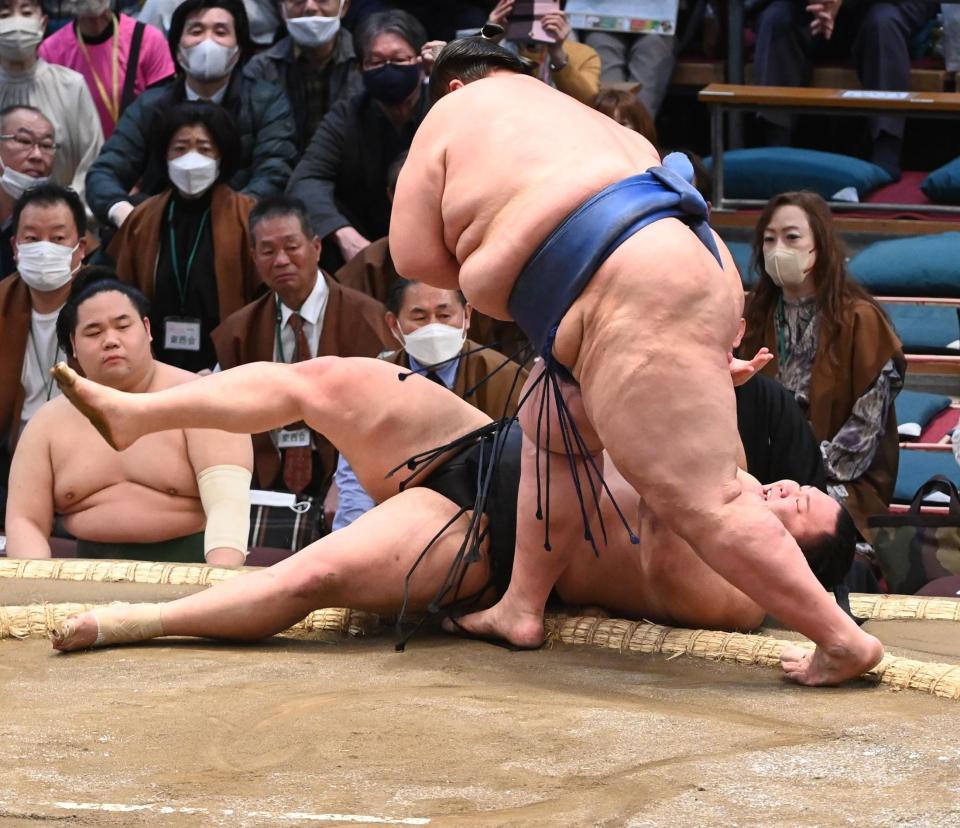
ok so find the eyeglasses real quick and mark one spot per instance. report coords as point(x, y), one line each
point(374, 63)
point(26, 142)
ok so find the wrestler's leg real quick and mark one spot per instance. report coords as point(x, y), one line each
point(363, 566)
point(248, 399)
point(518, 616)
point(665, 410)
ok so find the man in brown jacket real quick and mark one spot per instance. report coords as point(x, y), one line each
point(49, 223)
point(306, 314)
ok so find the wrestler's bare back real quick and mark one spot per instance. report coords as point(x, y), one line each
point(143, 494)
point(502, 161)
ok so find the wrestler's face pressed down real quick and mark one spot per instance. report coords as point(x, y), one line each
point(804, 511)
point(286, 258)
point(111, 340)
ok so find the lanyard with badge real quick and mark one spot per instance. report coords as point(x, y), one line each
point(46, 378)
point(289, 437)
point(182, 333)
point(110, 101)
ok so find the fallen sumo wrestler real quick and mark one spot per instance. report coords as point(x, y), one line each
point(602, 254)
point(393, 557)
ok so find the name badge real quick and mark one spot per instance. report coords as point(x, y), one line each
point(293, 438)
point(181, 334)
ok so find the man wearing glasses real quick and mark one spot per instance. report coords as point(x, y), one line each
point(342, 176)
point(315, 64)
point(60, 93)
point(27, 151)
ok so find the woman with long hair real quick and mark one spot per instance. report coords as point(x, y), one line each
point(833, 347)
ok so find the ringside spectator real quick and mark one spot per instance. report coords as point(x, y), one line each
point(28, 148)
point(59, 93)
point(792, 35)
point(187, 248)
point(627, 110)
point(49, 224)
point(305, 314)
point(211, 42)
point(342, 176)
point(833, 348)
point(571, 67)
point(315, 64)
point(117, 56)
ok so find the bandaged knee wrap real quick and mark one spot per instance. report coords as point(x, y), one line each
point(225, 495)
point(125, 623)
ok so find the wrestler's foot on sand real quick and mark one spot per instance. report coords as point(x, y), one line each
point(103, 626)
point(78, 632)
point(521, 629)
point(97, 403)
point(832, 665)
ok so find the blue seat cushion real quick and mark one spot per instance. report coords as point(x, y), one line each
point(943, 184)
point(917, 467)
point(915, 410)
point(764, 172)
point(926, 329)
point(741, 252)
point(914, 266)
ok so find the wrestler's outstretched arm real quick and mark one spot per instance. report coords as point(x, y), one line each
point(362, 566)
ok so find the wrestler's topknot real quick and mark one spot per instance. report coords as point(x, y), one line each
point(469, 59)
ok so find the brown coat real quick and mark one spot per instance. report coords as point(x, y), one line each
point(498, 396)
point(372, 272)
point(136, 246)
point(867, 342)
point(353, 326)
point(14, 332)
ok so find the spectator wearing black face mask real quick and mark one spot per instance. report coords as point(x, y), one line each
point(343, 173)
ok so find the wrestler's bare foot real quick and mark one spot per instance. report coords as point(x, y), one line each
point(113, 624)
point(98, 403)
point(520, 628)
point(832, 665)
point(78, 632)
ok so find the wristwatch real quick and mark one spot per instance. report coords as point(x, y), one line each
point(555, 68)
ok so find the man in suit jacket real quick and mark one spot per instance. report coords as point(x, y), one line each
point(431, 324)
point(306, 314)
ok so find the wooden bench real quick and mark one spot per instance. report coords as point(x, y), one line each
point(723, 99)
point(700, 73)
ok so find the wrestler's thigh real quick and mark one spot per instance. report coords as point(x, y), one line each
point(365, 564)
point(666, 413)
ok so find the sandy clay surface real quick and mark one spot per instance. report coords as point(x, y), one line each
point(456, 733)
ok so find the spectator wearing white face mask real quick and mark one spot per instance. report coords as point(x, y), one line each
point(49, 224)
point(316, 64)
point(210, 41)
point(430, 324)
point(27, 150)
point(60, 93)
point(117, 56)
point(187, 248)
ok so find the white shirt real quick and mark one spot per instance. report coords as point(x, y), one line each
point(217, 97)
point(38, 385)
point(312, 312)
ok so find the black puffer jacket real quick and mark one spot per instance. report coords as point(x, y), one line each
point(264, 121)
